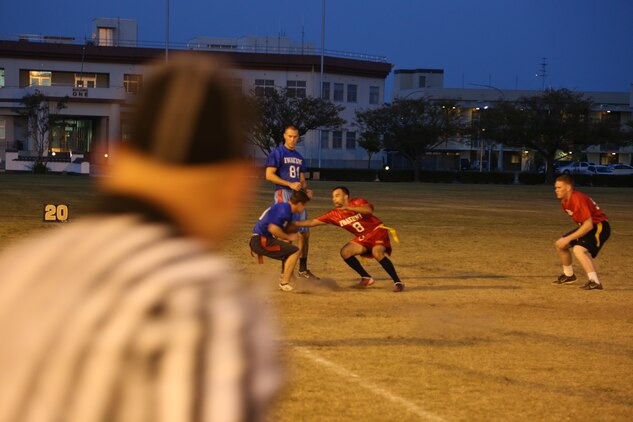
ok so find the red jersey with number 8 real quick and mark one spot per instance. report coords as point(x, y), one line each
point(351, 221)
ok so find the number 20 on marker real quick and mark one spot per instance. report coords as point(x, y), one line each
point(56, 213)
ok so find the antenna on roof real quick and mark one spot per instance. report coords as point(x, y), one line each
point(543, 73)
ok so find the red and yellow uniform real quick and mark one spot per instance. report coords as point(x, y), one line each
point(580, 207)
point(368, 229)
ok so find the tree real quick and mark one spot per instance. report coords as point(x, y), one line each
point(278, 109)
point(412, 127)
point(553, 121)
point(371, 132)
point(41, 116)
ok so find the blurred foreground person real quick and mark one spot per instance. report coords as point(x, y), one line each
point(587, 239)
point(131, 314)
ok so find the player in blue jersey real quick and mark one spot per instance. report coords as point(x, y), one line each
point(272, 235)
point(285, 167)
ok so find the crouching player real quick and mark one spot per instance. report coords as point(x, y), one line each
point(273, 233)
point(372, 237)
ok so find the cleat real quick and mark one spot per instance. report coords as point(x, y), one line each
point(308, 274)
point(366, 282)
point(591, 285)
point(563, 279)
point(398, 287)
point(286, 287)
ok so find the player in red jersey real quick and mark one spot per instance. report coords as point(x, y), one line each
point(372, 237)
point(587, 239)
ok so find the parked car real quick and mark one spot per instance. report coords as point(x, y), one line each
point(621, 168)
point(599, 170)
point(575, 167)
point(555, 165)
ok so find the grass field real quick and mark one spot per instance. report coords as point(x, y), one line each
point(479, 334)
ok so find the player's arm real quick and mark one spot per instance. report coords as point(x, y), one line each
point(309, 223)
point(583, 229)
point(279, 233)
point(302, 180)
point(271, 176)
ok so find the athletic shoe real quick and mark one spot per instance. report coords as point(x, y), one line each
point(366, 282)
point(592, 285)
point(398, 287)
point(286, 287)
point(563, 279)
point(308, 274)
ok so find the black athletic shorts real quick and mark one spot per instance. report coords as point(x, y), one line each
point(594, 240)
point(271, 247)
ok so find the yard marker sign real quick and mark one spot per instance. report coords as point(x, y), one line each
point(55, 213)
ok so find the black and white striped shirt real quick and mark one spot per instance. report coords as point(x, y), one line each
point(115, 319)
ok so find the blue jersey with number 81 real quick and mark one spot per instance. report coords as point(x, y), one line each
point(289, 164)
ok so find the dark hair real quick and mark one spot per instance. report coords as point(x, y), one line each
point(343, 188)
point(565, 178)
point(189, 114)
point(291, 127)
point(299, 196)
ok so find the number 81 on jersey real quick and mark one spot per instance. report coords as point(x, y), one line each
point(55, 213)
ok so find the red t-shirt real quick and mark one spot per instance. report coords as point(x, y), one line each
point(580, 207)
point(351, 221)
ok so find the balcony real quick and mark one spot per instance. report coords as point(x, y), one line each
point(62, 91)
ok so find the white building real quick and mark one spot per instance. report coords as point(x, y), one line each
point(102, 77)
point(429, 83)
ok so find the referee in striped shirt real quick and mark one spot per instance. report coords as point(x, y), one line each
point(132, 314)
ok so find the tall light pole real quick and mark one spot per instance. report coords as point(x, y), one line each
point(167, 33)
point(321, 78)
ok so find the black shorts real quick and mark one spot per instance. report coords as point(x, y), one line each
point(594, 240)
point(271, 247)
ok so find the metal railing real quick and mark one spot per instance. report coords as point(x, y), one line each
point(307, 50)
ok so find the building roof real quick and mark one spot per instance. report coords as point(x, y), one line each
point(93, 53)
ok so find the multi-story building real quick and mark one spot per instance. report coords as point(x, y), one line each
point(100, 78)
point(455, 153)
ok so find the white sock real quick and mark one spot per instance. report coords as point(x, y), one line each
point(568, 270)
point(594, 277)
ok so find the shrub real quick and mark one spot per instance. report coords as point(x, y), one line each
point(532, 178)
point(39, 168)
point(486, 177)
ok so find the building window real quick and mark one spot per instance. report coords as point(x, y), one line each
point(337, 139)
point(296, 89)
point(37, 78)
point(374, 95)
point(422, 81)
point(338, 92)
point(264, 87)
point(236, 83)
point(1, 77)
point(106, 37)
point(3, 129)
point(85, 81)
point(132, 83)
point(351, 93)
point(350, 140)
point(325, 139)
point(326, 91)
